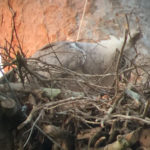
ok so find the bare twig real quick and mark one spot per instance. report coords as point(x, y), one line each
point(119, 59)
point(146, 121)
point(35, 122)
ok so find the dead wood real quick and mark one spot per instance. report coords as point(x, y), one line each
point(63, 138)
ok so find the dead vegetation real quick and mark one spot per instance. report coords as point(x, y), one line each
point(70, 110)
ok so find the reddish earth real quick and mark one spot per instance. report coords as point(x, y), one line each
point(39, 22)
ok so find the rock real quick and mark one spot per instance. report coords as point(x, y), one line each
point(40, 22)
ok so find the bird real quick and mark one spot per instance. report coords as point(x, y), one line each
point(85, 57)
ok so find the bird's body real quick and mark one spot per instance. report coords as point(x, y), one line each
point(89, 58)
